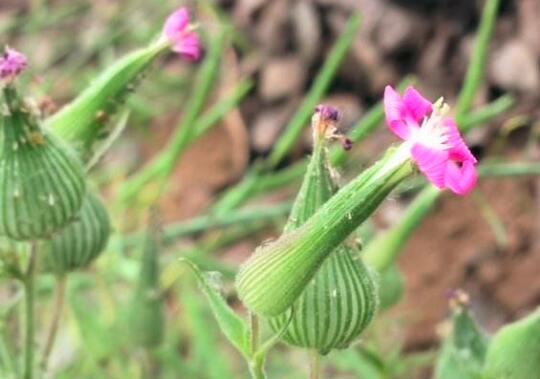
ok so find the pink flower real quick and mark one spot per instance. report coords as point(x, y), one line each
point(12, 63)
point(435, 142)
point(181, 36)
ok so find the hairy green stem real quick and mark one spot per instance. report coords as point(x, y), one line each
point(29, 313)
point(58, 306)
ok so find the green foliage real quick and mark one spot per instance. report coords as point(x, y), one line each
point(464, 349)
point(232, 326)
point(514, 352)
point(146, 316)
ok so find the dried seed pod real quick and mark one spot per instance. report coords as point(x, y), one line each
point(77, 245)
point(341, 300)
point(43, 183)
point(514, 351)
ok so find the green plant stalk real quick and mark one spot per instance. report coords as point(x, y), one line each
point(236, 195)
point(220, 109)
point(489, 111)
point(487, 170)
point(385, 248)
point(476, 68)
point(314, 364)
point(198, 224)
point(256, 363)
point(162, 165)
point(492, 219)
point(8, 366)
point(273, 278)
point(320, 86)
point(58, 306)
point(28, 283)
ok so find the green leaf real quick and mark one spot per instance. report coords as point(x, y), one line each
point(232, 326)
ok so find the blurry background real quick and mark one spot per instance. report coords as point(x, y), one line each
point(486, 243)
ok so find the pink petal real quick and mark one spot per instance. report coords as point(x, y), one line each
point(458, 149)
point(432, 162)
point(395, 113)
point(462, 179)
point(176, 23)
point(188, 46)
point(417, 106)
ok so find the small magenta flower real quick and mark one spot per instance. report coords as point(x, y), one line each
point(435, 142)
point(180, 34)
point(12, 63)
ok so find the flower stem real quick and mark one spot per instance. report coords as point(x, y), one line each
point(314, 364)
point(256, 364)
point(29, 313)
point(254, 328)
point(57, 313)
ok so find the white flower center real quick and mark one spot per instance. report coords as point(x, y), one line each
point(432, 132)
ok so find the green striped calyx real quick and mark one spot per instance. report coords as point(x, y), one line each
point(464, 348)
point(146, 317)
point(514, 351)
point(78, 244)
point(42, 181)
point(278, 272)
point(341, 299)
point(83, 122)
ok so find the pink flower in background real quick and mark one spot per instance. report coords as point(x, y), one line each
point(181, 36)
point(12, 63)
point(435, 142)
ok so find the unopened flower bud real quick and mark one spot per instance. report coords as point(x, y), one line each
point(12, 63)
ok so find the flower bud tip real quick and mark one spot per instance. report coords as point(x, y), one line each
point(12, 63)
